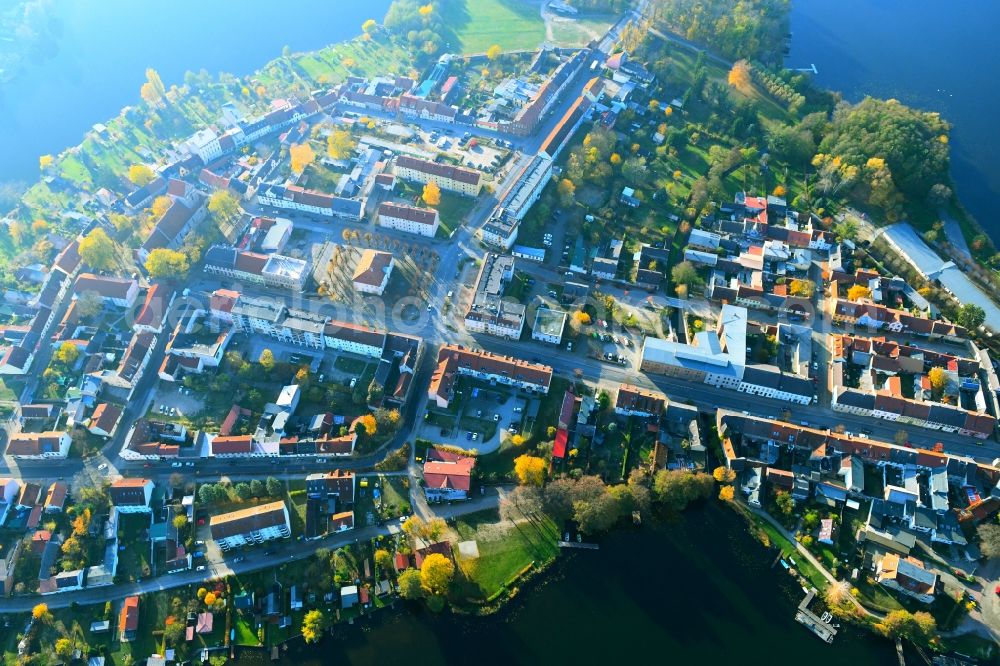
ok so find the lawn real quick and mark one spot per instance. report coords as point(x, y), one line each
point(350, 365)
point(578, 32)
point(505, 551)
point(478, 24)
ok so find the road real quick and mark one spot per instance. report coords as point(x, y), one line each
point(256, 560)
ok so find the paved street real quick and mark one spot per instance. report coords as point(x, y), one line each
point(256, 559)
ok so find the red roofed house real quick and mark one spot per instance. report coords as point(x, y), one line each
point(371, 275)
point(105, 419)
point(39, 445)
point(128, 622)
point(131, 495)
point(447, 475)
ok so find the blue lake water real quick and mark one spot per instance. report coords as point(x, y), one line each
point(938, 56)
point(96, 60)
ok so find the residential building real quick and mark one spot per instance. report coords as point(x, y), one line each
point(634, 401)
point(327, 497)
point(447, 475)
point(131, 495)
point(908, 576)
point(372, 272)
point(420, 221)
point(489, 312)
point(254, 525)
point(39, 445)
point(293, 197)
point(455, 361)
point(269, 270)
point(119, 292)
point(468, 182)
point(104, 420)
point(549, 325)
point(128, 622)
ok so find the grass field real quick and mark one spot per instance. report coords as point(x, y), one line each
point(505, 550)
point(478, 24)
point(578, 32)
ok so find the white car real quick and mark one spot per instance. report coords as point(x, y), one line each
point(102, 467)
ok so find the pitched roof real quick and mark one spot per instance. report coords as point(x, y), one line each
point(458, 174)
point(105, 416)
point(372, 267)
point(105, 286)
point(247, 520)
point(426, 216)
point(453, 474)
point(34, 443)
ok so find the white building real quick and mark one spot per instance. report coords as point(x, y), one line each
point(549, 325)
point(420, 221)
point(255, 525)
point(371, 275)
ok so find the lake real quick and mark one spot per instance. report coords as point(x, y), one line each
point(938, 56)
point(698, 590)
point(97, 60)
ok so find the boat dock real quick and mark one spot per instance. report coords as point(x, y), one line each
point(575, 544)
point(818, 625)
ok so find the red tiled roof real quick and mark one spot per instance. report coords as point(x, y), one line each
point(458, 174)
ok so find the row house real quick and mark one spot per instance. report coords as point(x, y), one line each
point(634, 401)
point(39, 445)
point(455, 361)
point(252, 526)
point(268, 270)
point(114, 291)
point(312, 202)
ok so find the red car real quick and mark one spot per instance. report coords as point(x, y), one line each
point(996, 590)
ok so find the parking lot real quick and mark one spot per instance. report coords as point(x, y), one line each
point(486, 417)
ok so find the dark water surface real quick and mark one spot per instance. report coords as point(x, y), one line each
point(698, 591)
point(95, 60)
point(938, 56)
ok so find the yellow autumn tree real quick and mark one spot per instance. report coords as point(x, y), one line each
point(45, 161)
point(739, 76)
point(140, 174)
point(431, 194)
point(494, 52)
point(726, 493)
point(530, 470)
point(857, 292)
point(340, 144)
point(301, 155)
point(723, 474)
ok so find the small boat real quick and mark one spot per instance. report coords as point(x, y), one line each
point(792, 560)
point(784, 564)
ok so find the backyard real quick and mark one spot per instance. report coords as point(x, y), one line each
point(506, 550)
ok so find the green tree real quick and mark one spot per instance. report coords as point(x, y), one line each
point(918, 627)
point(242, 491)
point(970, 316)
point(274, 487)
point(409, 584)
point(164, 263)
point(686, 274)
point(257, 488)
point(98, 250)
point(989, 539)
point(676, 489)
